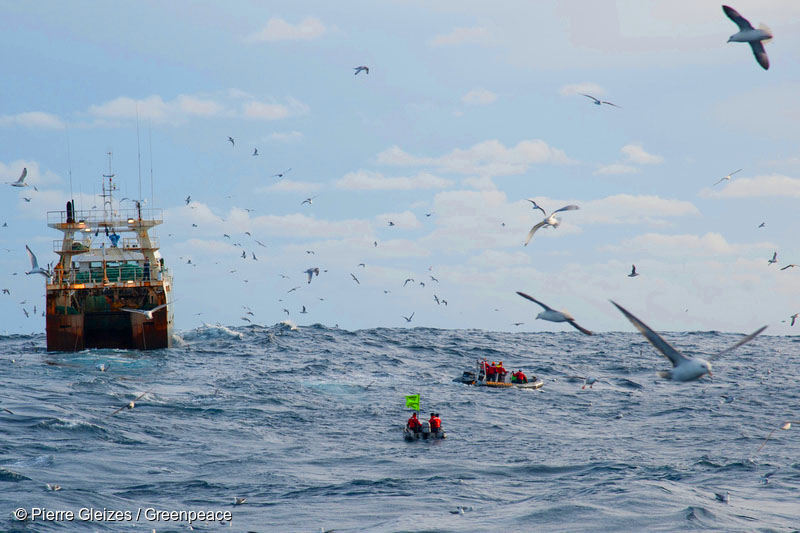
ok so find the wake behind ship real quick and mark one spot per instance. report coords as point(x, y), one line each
point(109, 279)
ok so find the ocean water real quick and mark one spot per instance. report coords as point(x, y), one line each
point(306, 425)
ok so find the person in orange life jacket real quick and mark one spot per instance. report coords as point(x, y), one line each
point(491, 372)
point(414, 424)
point(519, 377)
point(436, 422)
point(501, 372)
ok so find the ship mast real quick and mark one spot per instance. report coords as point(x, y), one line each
point(108, 190)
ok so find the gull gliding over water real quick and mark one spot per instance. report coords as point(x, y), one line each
point(549, 220)
point(359, 69)
point(599, 102)
point(633, 273)
point(555, 316)
point(684, 368)
point(148, 313)
point(750, 35)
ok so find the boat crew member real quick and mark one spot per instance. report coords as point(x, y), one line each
point(491, 372)
point(501, 373)
point(519, 377)
point(146, 269)
point(414, 424)
point(436, 422)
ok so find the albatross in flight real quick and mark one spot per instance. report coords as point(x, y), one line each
point(684, 368)
point(750, 35)
point(555, 316)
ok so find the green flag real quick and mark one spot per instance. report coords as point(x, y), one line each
point(413, 401)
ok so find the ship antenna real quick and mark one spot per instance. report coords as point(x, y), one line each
point(150, 139)
point(69, 162)
point(138, 152)
point(107, 196)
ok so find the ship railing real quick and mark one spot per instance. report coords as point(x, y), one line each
point(116, 217)
point(133, 243)
point(80, 246)
point(121, 276)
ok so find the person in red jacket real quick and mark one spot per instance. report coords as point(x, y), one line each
point(491, 372)
point(436, 422)
point(501, 373)
point(414, 424)
point(519, 377)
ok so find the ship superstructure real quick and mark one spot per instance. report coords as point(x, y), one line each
point(110, 273)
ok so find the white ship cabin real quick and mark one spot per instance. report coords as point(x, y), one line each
point(107, 249)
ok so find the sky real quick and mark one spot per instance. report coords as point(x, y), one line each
point(469, 109)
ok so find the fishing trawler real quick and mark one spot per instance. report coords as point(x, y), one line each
point(110, 288)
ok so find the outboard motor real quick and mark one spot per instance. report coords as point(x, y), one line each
point(426, 429)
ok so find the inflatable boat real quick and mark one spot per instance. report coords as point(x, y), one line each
point(471, 378)
point(424, 434)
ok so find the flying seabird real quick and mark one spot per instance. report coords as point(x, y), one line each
point(35, 269)
point(684, 368)
point(408, 318)
point(131, 404)
point(785, 426)
point(303, 312)
point(230, 139)
point(408, 280)
point(148, 313)
point(255, 151)
point(794, 317)
point(359, 69)
point(311, 272)
point(549, 221)
point(280, 175)
point(774, 259)
point(633, 273)
point(307, 200)
point(728, 177)
point(355, 278)
point(789, 266)
point(750, 35)
point(555, 316)
point(762, 224)
point(21, 181)
point(536, 206)
point(238, 500)
point(599, 102)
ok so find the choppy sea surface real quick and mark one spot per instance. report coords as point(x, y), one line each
point(306, 425)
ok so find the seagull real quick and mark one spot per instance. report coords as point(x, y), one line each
point(549, 221)
point(785, 426)
point(555, 316)
point(355, 278)
point(774, 259)
point(684, 368)
point(375, 244)
point(391, 223)
point(599, 102)
point(246, 319)
point(589, 380)
point(311, 272)
point(436, 299)
point(27, 199)
point(307, 200)
point(728, 177)
point(255, 151)
point(148, 313)
point(536, 206)
point(285, 310)
point(254, 256)
point(35, 269)
point(281, 174)
point(748, 34)
point(633, 273)
point(406, 281)
point(292, 289)
point(794, 317)
point(762, 224)
point(304, 312)
point(6, 291)
point(260, 243)
point(21, 181)
point(362, 265)
point(518, 324)
point(789, 266)
point(230, 139)
point(27, 315)
point(188, 199)
point(244, 254)
point(408, 318)
point(433, 279)
point(724, 498)
point(238, 500)
point(359, 69)
point(131, 404)
point(53, 486)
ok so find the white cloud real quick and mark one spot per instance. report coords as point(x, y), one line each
point(278, 29)
point(479, 97)
point(367, 180)
point(286, 137)
point(617, 168)
point(32, 119)
point(582, 88)
point(184, 106)
point(461, 36)
point(636, 154)
point(291, 187)
point(485, 158)
point(683, 246)
point(631, 209)
point(775, 185)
